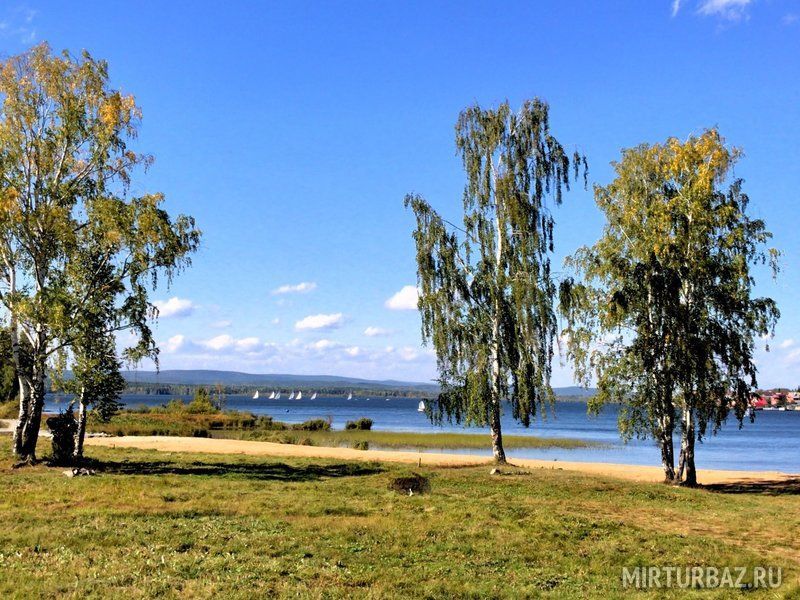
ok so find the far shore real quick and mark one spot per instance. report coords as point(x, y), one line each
point(428, 459)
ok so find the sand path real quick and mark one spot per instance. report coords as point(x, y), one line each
point(225, 446)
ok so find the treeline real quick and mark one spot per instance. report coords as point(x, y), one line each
point(245, 390)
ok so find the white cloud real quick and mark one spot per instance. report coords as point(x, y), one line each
point(405, 299)
point(19, 25)
point(247, 344)
point(408, 353)
point(727, 9)
point(376, 331)
point(787, 343)
point(175, 307)
point(276, 321)
point(323, 345)
point(223, 324)
point(300, 288)
point(219, 342)
point(732, 10)
point(320, 321)
point(174, 344)
point(323, 356)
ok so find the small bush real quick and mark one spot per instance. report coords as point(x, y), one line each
point(361, 445)
point(307, 442)
point(63, 426)
point(313, 425)
point(363, 424)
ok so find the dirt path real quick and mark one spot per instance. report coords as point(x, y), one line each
point(224, 446)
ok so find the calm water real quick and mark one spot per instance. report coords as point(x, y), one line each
point(771, 443)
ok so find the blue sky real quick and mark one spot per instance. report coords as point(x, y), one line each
point(293, 130)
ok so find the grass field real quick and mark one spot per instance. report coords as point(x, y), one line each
point(393, 439)
point(192, 525)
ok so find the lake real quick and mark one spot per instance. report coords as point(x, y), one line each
point(772, 442)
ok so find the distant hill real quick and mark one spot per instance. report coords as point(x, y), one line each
point(238, 379)
point(575, 390)
point(280, 380)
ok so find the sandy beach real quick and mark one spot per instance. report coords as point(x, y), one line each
point(225, 446)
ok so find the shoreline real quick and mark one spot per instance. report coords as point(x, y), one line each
point(641, 473)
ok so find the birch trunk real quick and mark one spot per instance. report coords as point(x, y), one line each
point(667, 449)
point(80, 434)
point(26, 435)
point(687, 472)
point(494, 417)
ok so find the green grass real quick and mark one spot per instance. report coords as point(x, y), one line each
point(396, 440)
point(173, 525)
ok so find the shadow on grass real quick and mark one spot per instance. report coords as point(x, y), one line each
point(264, 472)
point(778, 487)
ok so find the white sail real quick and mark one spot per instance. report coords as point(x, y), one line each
point(299, 396)
point(255, 396)
point(291, 396)
point(350, 396)
point(272, 396)
point(314, 396)
point(421, 407)
point(278, 396)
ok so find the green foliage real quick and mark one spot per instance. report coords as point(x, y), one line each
point(201, 403)
point(486, 290)
point(361, 445)
point(313, 425)
point(664, 318)
point(362, 424)
point(78, 252)
point(176, 419)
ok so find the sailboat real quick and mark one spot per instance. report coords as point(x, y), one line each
point(255, 396)
point(350, 396)
point(291, 396)
point(278, 396)
point(299, 396)
point(314, 396)
point(421, 407)
point(272, 396)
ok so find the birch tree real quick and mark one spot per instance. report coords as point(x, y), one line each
point(665, 318)
point(65, 170)
point(486, 288)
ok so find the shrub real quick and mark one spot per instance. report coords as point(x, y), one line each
point(361, 445)
point(363, 424)
point(63, 426)
point(313, 425)
point(201, 404)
